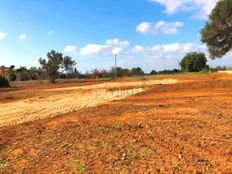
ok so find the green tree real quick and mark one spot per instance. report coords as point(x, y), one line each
point(52, 64)
point(217, 33)
point(3, 82)
point(55, 63)
point(68, 64)
point(33, 73)
point(153, 72)
point(137, 71)
point(11, 73)
point(22, 73)
point(193, 62)
point(121, 72)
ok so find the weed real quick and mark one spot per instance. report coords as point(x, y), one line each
point(147, 153)
point(119, 125)
point(79, 167)
point(56, 142)
point(5, 152)
point(66, 145)
point(121, 167)
point(106, 145)
point(102, 129)
point(134, 154)
point(131, 153)
point(3, 164)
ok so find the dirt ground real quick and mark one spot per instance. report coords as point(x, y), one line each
point(183, 127)
point(75, 98)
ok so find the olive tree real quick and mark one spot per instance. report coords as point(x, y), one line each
point(55, 63)
point(217, 33)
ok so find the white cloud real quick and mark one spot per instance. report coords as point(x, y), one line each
point(2, 35)
point(159, 57)
point(176, 47)
point(70, 49)
point(91, 49)
point(22, 36)
point(224, 61)
point(111, 46)
point(117, 42)
point(117, 50)
point(156, 57)
point(201, 7)
point(171, 49)
point(138, 49)
point(51, 32)
point(159, 27)
point(149, 62)
point(144, 27)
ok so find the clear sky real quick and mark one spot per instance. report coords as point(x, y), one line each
point(152, 34)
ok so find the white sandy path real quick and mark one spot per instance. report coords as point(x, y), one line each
point(225, 72)
point(108, 85)
point(38, 108)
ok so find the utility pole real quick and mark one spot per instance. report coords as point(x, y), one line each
point(115, 68)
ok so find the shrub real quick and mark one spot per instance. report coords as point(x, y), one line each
point(12, 77)
point(193, 62)
point(3, 82)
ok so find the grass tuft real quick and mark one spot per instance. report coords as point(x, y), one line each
point(79, 167)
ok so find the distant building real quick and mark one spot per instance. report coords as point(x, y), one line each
point(3, 71)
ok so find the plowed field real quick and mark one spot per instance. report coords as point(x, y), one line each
point(183, 126)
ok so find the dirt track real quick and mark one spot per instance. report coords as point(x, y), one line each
point(178, 128)
point(111, 85)
point(44, 107)
point(38, 107)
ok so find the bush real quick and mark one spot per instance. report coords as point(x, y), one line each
point(3, 82)
point(12, 77)
point(137, 71)
point(153, 72)
point(193, 62)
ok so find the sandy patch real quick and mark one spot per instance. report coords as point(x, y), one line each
point(225, 72)
point(38, 108)
point(109, 85)
point(43, 107)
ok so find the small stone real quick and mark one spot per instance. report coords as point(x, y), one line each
point(161, 105)
point(180, 156)
point(123, 156)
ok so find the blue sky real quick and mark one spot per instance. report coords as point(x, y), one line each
point(153, 34)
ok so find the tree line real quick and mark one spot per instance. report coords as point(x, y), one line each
point(56, 65)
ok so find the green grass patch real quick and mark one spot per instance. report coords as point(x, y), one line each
point(3, 164)
point(147, 153)
point(78, 166)
point(119, 125)
point(134, 154)
point(7, 151)
point(102, 129)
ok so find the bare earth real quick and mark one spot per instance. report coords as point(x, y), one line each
point(43, 107)
point(169, 124)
